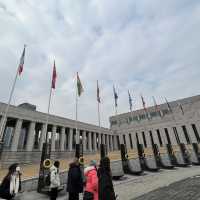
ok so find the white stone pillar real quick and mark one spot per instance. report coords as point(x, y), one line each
point(42, 136)
point(1, 122)
point(155, 137)
point(53, 138)
point(172, 136)
point(89, 141)
point(62, 139)
point(70, 139)
point(95, 141)
point(31, 137)
point(84, 139)
point(148, 138)
point(16, 136)
point(163, 136)
point(181, 134)
point(77, 136)
point(191, 134)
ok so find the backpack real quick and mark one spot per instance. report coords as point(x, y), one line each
point(48, 179)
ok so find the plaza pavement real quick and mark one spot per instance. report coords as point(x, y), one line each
point(149, 185)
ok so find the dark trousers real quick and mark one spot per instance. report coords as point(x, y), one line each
point(53, 193)
point(73, 196)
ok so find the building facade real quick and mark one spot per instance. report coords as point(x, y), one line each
point(178, 122)
point(24, 135)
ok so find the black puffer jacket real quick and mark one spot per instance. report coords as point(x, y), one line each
point(75, 180)
point(106, 190)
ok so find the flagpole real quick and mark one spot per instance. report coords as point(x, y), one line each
point(76, 115)
point(99, 117)
point(8, 106)
point(47, 118)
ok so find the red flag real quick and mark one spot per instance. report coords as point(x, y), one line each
point(54, 76)
point(21, 63)
point(143, 103)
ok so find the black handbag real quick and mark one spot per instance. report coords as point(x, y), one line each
point(88, 196)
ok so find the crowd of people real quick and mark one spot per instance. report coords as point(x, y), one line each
point(95, 182)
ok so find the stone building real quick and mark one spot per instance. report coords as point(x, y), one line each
point(24, 135)
point(163, 126)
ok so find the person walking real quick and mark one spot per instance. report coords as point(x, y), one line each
point(54, 180)
point(91, 186)
point(11, 183)
point(75, 180)
point(106, 189)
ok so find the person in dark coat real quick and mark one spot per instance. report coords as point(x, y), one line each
point(106, 189)
point(11, 183)
point(75, 180)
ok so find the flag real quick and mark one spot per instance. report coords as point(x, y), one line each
point(145, 109)
point(181, 107)
point(21, 63)
point(115, 95)
point(98, 93)
point(157, 108)
point(168, 105)
point(79, 86)
point(54, 76)
point(130, 100)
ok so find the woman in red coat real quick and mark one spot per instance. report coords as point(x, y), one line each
point(91, 187)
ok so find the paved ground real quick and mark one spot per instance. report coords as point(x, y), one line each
point(179, 184)
point(188, 189)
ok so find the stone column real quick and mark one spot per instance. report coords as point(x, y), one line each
point(84, 140)
point(89, 141)
point(30, 138)
point(53, 138)
point(1, 122)
point(191, 134)
point(163, 136)
point(148, 138)
point(155, 137)
point(77, 136)
point(181, 134)
point(172, 136)
point(70, 138)
point(17, 133)
point(42, 136)
point(95, 141)
point(99, 139)
point(62, 139)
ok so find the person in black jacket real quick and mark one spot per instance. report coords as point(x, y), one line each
point(106, 190)
point(11, 183)
point(75, 180)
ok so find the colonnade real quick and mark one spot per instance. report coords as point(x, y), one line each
point(179, 133)
point(25, 135)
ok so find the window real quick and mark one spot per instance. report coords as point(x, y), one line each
point(167, 135)
point(186, 135)
point(144, 139)
point(176, 135)
point(159, 137)
point(131, 142)
point(196, 132)
point(124, 138)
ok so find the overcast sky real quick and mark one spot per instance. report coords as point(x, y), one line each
point(147, 46)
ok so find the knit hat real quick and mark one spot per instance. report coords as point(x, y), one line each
point(93, 163)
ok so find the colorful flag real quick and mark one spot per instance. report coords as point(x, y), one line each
point(157, 108)
point(54, 76)
point(79, 86)
point(115, 95)
point(98, 93)
point(21, 63)
point(168, 105)
point(181, 107)
point(130, 100)
point(145, 109)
